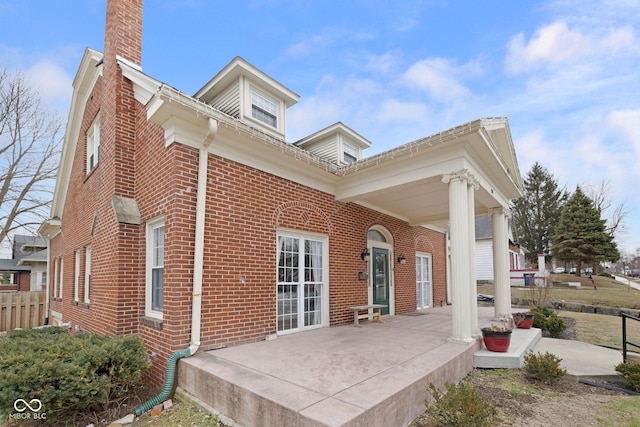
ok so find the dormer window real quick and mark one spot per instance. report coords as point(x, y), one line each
point(349, 153)
point(264, 109)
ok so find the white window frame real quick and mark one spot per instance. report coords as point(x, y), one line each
point(351, 151)
point(93, 145)
point(76, 276)
point(61, 281)
point(55, 278)
point(152, 263)
point(420, 283)
point(265, 104)
point(324, 282)
point(87, 275)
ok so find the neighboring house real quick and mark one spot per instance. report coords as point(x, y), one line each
point(27, 268)
point(484, 249)
point(191, 221)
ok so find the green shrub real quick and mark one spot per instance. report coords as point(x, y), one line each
point(546, 319)
point(460, 406)
point(540, 315)
point(68, 373)
point(543, 367)
point(630, 371)
point(555, 325)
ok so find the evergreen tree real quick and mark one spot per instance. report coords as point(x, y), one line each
point(536, 214)
point(581, 235)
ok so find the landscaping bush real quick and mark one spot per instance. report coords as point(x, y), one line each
point(555, 325)
point(68, 373)
point(546, 319)
point(543, 367)
point(460, 406)
point(540, 315)
point(630, 371)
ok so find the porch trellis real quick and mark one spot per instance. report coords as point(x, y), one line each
point(21, 310)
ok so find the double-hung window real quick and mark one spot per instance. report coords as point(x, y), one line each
point(155, 268)
point(264, 109)
point(93, 144)
point(76, 276)
point(301, 283)
point(424, 288)
point(349, 153)
point(87, 274)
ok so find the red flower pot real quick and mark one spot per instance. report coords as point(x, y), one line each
point(497, 341)
point(523, 320)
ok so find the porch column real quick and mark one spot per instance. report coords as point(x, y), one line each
point(501, 276)
point(460, 260)
point(472, 186)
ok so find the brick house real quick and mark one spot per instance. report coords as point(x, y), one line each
point(192, 221)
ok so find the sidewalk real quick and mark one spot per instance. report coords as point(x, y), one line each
point(582, 360)
point(627, 282)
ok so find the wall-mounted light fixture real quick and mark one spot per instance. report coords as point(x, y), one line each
point(365, 254)
point(402, 259)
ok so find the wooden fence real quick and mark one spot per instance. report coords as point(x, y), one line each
point(21, 310)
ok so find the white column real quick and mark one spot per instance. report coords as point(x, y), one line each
point(472, 186)
point(459, 235)
point(501, 274)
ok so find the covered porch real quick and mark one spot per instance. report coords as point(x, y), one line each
point(374, 375)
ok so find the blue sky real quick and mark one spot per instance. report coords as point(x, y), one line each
point(565, 72)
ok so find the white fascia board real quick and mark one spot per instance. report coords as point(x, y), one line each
point(144, 86)
point(185, 121)
point(88, 74)
point(237, 67)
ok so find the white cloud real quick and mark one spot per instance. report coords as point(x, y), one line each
point(557, 45)
point(440, 79)
point(552, 44)
point(52, 81)
point(627, 122)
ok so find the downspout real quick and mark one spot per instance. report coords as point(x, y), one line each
point(198, 255)
point(198, 266)
point(46, 289)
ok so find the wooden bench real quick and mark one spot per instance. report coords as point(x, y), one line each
point(376, 315)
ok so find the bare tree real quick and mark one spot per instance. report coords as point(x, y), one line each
point(600, 194)
point(29, 155)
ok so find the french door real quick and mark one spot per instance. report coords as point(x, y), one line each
point(300, 287)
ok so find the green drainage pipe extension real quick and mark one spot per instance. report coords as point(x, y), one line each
point(170, 374)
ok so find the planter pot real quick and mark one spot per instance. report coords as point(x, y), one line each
point(523, 320)
point(497, 341)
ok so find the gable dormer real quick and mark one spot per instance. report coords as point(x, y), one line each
point(337, 143)
point(246, 93)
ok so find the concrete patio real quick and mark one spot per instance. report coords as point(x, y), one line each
point(373, 375)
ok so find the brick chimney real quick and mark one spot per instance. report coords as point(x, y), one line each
point(115, 295)
point(123, 38)
point(123, 34)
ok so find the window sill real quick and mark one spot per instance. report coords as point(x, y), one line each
point(151, 322)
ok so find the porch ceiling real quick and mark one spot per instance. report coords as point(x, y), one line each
point(407, 183)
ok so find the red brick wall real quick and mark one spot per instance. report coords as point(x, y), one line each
point(245, 208)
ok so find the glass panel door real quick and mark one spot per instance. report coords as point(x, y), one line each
point(300, 283)
point(380, 277)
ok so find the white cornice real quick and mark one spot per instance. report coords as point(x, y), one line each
point(89, 71)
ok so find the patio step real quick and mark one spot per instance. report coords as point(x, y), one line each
point(522, 340)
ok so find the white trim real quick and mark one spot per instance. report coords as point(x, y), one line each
point(424, 255)
point(93, 144)
point(388, 245)
point(87, 275)
point(76, 275)
point(152, 225)
point(302, 236)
